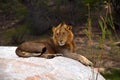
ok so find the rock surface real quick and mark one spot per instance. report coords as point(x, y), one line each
point(59, 68)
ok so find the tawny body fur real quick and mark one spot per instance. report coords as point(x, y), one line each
point(60, 44)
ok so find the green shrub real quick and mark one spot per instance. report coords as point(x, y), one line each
point(15, 36)
point(114, 74)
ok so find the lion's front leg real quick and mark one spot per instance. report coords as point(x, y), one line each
point(84, 60)
point(79, 57)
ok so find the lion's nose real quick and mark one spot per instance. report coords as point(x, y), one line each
point(61, 40)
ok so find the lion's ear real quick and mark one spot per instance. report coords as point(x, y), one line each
point(53, 29)
point(69, 27)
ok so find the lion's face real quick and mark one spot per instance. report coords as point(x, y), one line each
point(62, 34)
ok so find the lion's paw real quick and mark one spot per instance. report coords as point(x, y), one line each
point(85, 61)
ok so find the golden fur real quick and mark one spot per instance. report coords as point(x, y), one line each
point(63, 36)
point(60, 44)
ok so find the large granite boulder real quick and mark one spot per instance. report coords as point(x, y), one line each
point(13, 67)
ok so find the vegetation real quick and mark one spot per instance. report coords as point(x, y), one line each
point(112, 75)
point(15, 36)
point(12, 8)
point(106, 30)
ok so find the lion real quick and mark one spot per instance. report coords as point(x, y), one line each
point(60, 44)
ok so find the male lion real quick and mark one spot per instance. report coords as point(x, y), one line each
point(60, 44)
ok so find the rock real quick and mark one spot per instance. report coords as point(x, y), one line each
point(13, 67)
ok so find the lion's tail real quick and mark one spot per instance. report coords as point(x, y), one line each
point(21, 53)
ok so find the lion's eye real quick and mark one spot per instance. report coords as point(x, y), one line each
point(57, 34)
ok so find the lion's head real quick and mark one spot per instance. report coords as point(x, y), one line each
point(62, 34)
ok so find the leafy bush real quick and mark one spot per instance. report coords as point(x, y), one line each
point(113, 74)
point(15, 36)
point(12, 7)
